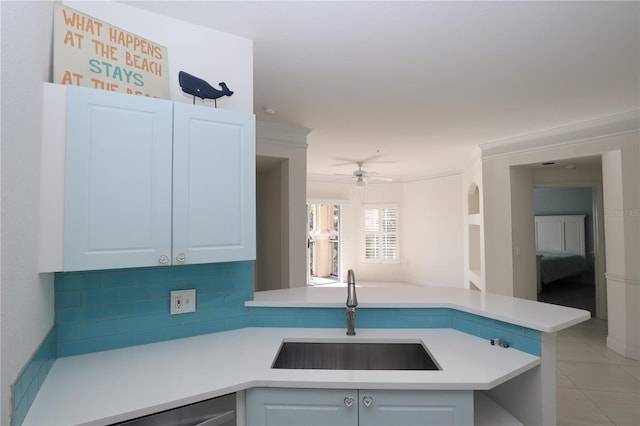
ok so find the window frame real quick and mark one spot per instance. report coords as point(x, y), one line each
point(363, 236)
point(335, 245)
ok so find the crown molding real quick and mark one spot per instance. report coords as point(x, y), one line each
point(613, 125)
point(270, 132)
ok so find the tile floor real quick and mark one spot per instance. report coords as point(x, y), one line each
point(578, 292)
point(595, 385)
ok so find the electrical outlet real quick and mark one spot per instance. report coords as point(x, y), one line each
point(183, 301)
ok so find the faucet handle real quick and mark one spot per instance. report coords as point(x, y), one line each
point(352, 300)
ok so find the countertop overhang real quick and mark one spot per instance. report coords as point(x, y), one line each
point(116, 385)
point(539, 316)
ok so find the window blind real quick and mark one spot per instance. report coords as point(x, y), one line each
point(381, 234)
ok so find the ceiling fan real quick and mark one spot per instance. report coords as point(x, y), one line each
point(363, 177)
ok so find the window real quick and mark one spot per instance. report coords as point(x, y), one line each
point(381, 234)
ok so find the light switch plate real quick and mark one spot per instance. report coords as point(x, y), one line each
point(183, 301)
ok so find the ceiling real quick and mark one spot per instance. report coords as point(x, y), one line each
point(417, 86)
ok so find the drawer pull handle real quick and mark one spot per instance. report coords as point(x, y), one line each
point(367, 401)
point(348, 401)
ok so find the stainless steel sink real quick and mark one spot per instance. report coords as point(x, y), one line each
point(354, 356)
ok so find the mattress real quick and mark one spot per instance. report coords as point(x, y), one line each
point(555, 265)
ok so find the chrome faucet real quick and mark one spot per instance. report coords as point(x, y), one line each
point(352, 302)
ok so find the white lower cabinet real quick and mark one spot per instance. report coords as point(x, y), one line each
point(408, 408)
point(352, 407)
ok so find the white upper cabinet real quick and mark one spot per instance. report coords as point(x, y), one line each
point(213, 185)
point(145, 182)
point(117, 180)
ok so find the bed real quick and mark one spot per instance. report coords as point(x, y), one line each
point(560, 247)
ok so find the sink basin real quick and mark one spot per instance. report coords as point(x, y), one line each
point(354, 356)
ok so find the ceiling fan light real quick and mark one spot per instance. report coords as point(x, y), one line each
point(360, 181)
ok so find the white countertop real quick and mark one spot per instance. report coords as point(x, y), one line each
point(526, 313)
point(110, 386)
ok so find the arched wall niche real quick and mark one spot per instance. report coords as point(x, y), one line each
point(473, 205)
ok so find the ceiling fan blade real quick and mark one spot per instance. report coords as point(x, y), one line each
point(380, 178)
point(374, 175)
point(343, 177)
point(370, 159)
point(347, 161)
point(343, 162)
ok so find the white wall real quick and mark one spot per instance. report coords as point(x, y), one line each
point(433, 236)
point(26, 297)
point(431, 246)
point(341, 193)
point(272, 229)
point(496, 199)
point(289, 143)
point(209, 54)
point(620, 172)
point(522, 235)
point(471, 176)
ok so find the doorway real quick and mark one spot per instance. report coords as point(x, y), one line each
point(566, 174)
point(323, 244)
point(570, 277)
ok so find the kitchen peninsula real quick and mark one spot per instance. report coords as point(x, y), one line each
point(110, 386)
point(526, 325)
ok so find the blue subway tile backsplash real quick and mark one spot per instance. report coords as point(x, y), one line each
point(29, 381)
point(109, 309)
point(100, 310)
point(519, 337)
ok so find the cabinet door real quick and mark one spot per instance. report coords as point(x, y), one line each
point(301, 407)
point(213, 185)
point(413, 408)
point(117, 180)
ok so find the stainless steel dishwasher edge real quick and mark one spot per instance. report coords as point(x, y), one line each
point(220, 411)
